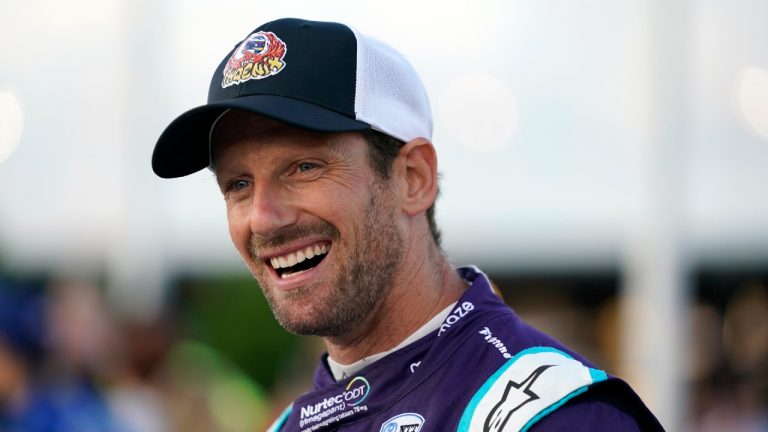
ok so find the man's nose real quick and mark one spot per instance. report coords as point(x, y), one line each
point(270, 211)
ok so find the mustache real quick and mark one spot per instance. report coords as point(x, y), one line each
point(289, 234)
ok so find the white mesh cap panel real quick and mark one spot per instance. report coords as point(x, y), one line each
point(389, 94)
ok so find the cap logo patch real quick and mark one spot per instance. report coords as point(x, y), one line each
point(259, 56)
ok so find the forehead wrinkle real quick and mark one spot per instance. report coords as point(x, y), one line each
point(236, 125)
point(235, 137)
point(337, 143)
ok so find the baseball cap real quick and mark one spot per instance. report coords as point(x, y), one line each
point(321, 76)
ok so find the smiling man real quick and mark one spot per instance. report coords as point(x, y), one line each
point(323, 232)
point(319, 138)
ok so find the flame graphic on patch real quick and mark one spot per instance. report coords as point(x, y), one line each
point(259, 56)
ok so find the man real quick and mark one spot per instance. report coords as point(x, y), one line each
point(320, 141)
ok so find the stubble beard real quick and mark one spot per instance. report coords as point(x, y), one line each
point(362, 278)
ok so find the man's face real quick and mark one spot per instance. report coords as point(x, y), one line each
point(313, 223)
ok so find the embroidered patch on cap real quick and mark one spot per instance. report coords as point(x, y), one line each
point(259, 56)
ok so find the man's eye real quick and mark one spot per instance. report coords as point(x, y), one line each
point(238, 185)
point(306, 166)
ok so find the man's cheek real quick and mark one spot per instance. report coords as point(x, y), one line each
point(238, 230)
point(241, 241)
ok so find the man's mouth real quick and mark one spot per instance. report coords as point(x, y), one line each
point(294, 263)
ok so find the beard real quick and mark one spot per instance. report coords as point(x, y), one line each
point(365, 268)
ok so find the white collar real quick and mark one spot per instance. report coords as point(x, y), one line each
point(341, 371)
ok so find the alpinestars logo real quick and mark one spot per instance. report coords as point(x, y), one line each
point(525, 386)
point(512, 401)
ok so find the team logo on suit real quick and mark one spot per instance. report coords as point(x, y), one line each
point(406, 422)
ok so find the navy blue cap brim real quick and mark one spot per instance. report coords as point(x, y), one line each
point(182, 149)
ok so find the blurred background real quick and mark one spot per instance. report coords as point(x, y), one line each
point(604, 162)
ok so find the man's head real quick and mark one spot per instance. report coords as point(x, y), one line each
point(318, 76)
point(319, 139)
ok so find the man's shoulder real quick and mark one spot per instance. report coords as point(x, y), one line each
point(529, 378)
point(543, 388)
point(502, 331)
point(608, 406)
point(529, 385)
point(494, 321)
point(588, 416)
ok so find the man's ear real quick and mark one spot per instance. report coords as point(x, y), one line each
point(417, 170)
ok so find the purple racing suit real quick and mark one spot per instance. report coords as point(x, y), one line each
point(483, 370)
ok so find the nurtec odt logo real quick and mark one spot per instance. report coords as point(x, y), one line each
point(259, 56)
point(357, 390)
point(354, 394)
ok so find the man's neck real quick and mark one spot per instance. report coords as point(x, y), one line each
point(421, 290)
point(341, 371)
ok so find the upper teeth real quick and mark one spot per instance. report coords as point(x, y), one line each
point(293, 258)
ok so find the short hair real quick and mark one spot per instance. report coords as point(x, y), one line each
point(382, 151)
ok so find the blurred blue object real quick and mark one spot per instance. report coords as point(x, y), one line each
point(73, 407)
point(22, 318)
point(28, 401)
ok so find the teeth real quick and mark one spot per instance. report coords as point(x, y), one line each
point(293, 258)
point(290, 275)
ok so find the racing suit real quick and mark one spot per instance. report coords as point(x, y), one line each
point(483, 370)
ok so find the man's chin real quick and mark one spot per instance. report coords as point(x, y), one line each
point(295, 310)
point(308, 325)
point(311, 316)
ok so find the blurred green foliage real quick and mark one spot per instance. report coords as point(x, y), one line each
point(231, 315)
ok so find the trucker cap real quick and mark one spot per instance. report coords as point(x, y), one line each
point(321, 76)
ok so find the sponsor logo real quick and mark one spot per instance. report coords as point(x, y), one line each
point(414, 366)
point(353, 395)
point(406, 422)
point(493, 340)
point(357, 390)
point(512, 400)
point(532, 382)
point(460, 312)
point(259, 56)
